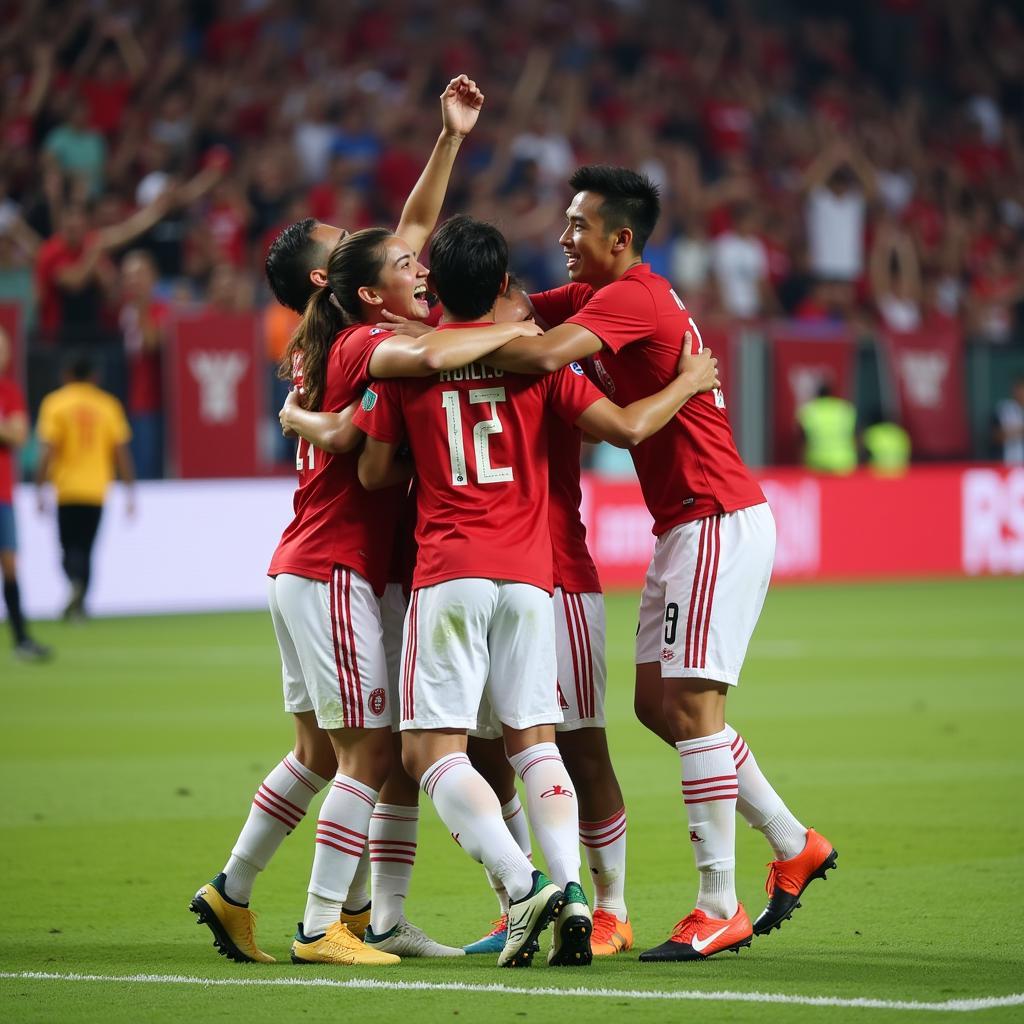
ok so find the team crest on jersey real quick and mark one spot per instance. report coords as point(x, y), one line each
point(576, 368)
point(667, 654)
point(377, 701)
point(369, 399)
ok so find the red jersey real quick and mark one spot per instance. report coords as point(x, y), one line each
point(479, 438)
point(336, 521)
point(690, 469)
point(11, 401)
point(145, 365)
point(574, 569)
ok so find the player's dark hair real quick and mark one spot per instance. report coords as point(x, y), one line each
point(630, 200)
point(290, 259)
point(355, 261)
point(80, 366)
point(468, 263)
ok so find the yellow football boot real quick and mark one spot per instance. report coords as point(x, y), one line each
point(357, 923)
point(233, 926)
point(338, 946)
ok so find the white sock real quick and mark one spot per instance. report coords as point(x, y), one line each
point(358, 897)
point(340, 838)
point(278, 806)
point(553, 808)
point(515, 818)
point(761, 806)
point(604, 843)
point(709, 792)
point(470, 810)
point(393, 830)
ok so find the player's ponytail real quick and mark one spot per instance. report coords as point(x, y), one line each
point(310, 344)
point(356, 261)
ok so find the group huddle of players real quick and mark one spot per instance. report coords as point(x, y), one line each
point(439, 617)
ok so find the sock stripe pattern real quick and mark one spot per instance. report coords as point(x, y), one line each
point(705, 791)
point(596, 834)
point(338, 837)
point(298, 775)
point(346, 788)
point(349, 683)
point(582, 654)
point(538, 760)
point(740, 751)
point(277, 807)
point(392, 851)
point(702, 595)
point(441, 769)
point(409, 668)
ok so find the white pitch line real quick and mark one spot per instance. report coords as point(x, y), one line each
point(952, 1006)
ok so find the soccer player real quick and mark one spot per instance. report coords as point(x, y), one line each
point(712, 561)
point(481, 618)
point(84, 435)
point(13, 434)
point(296, 267)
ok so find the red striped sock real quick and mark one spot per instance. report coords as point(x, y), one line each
point(709, 793)
point(604, 843)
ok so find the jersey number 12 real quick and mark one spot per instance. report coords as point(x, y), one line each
point(485, 472)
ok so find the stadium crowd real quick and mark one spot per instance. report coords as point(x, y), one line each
point(850, 162)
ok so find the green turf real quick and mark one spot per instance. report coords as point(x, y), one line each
point(888, 716)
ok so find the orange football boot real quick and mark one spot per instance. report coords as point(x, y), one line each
point(698, 936)
point(787, 880)
point(610, 935)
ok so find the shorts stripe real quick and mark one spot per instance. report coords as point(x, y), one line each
point(694, 660)
point(711, 593)
point(342, 669)
point(577, 656)
point(584, 628)
point(357, 683)
point(697, 574)
point(408, 707)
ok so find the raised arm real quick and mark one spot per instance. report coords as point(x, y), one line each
point(460, 107)
point(404, 356)
point(332, 432)
point(629, 426)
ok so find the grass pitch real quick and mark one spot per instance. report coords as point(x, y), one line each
point(889, 717)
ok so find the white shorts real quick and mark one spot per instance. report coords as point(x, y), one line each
point(468, 637)
point(582, 673)
point(393, 606)
point(704, 590)
point(332, 652)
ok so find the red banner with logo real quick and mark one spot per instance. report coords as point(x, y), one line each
point(927, 366)
point(803, 360)
point(216, 395)
point(860, 526)
point(10, 323)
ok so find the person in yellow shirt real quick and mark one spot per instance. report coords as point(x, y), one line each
point(829, 427)
point(83, 434)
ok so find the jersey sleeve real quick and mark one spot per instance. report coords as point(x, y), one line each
point(356, 351)
point(48, 427)
point(571, 393)
point(380, 412)
point(554, 307)
point(619, 314)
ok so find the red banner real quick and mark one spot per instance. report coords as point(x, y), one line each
point(216, 395)
point(802, 361)
point(860, 526)
point(928, 368)
point(10, 322)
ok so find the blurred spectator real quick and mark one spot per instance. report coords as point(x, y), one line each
point(144, 322)
point(829, 427)
point(83, 435)
point(740, 261)
point(13, 434)
point(896, 279)
point(78, 148)
point(1008, 429)
point(886, 446)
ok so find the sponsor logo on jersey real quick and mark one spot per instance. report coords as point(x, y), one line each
point(377, 701)
point(667, 654)
point(377, 330)
point(687, 501)
point(556, 790)
point(369, 399)
point(604, 377)
point(576, 368)
point(695, 837)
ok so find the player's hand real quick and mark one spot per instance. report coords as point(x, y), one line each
point(292, 401)
point(399, 324)
point(701, 368)
point(527, 329)
point(461, 103)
